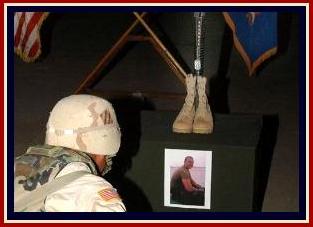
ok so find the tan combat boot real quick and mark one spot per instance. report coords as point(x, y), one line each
point(203, 122)
point(183, 122)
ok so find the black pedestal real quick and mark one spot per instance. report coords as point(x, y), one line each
point(234, 152)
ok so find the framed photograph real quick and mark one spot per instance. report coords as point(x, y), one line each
point(187, 178)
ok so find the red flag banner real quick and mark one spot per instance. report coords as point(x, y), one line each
point(26, 34)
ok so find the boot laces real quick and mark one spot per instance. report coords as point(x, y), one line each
point(189, 100)
point(187, 107)
point(203, 106)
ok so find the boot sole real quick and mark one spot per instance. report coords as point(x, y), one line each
point(202, 130)
point(182, 130)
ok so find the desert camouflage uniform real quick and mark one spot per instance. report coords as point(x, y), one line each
point(41, 185)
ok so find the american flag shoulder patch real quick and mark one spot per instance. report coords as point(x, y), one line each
point(108, 194)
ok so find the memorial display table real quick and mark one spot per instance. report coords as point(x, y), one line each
point(234, 146)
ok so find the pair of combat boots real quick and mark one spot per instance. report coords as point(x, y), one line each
point(192, 119)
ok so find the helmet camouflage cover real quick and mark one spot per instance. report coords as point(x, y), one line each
point(86, 123)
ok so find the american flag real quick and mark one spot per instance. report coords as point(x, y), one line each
point(26, 34)
point(108, 194)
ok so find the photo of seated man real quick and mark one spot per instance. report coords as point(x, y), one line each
point(184, 190)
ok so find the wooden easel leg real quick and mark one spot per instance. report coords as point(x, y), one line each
point(154, 40)
point(163, 50)
point(168, 61)
point(94, 74)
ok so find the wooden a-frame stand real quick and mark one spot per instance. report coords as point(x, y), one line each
point(126, 37)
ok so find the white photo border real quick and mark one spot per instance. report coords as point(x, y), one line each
point(208, 176)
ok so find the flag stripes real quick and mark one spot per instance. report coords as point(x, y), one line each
point(26, 34)
point(108, 194)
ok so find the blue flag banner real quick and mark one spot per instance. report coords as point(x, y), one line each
point(255, 35)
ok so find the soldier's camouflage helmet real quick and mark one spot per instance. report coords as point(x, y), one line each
point(86, 123)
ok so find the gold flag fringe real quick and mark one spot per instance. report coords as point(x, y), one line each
point(250, 65)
